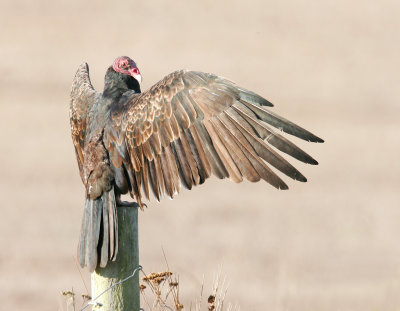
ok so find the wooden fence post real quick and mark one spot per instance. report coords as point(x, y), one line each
point(124, 296)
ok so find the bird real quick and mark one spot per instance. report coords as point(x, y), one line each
point(186, 127)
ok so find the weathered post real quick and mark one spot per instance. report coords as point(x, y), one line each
point(124, 296)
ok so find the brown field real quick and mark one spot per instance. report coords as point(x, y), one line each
point(331, 66)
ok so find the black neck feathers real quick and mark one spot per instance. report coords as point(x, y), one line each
point(115, 84)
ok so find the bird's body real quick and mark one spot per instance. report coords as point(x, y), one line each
point(183, 129)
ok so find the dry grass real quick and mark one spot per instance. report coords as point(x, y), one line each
point(164, 291)
point(160, 292)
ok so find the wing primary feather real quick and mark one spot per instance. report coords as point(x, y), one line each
point(174, 169)
point(205, 164)
point(262, 169)
point(183, 166)
point(247, 119)
point(233, 171)
point(281, 123)
point(253, 97)
point(265, 152)
point(278, 141)
point(232, 144)
point(190, 159)
point(218, 167)
point(196, 156)
point(231, 129)
point(168, 178)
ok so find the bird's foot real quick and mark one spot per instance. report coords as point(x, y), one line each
point(121, 203)
point(127, 204)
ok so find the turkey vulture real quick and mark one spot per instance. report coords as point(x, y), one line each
point(184, 128)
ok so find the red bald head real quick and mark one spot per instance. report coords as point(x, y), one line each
point(127, 66)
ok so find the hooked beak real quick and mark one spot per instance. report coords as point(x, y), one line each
point(134, 72)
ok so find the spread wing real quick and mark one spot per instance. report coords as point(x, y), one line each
point(82, 98)
point(191, 125)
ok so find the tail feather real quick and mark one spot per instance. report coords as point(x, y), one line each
point(105, 234)
point(82, 240)
point(113, 221)
point(98, 241)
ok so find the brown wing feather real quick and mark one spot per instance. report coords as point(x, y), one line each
point(192, 124)
point(83, 97)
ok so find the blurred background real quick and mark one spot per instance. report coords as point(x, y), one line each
point(330, 66)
